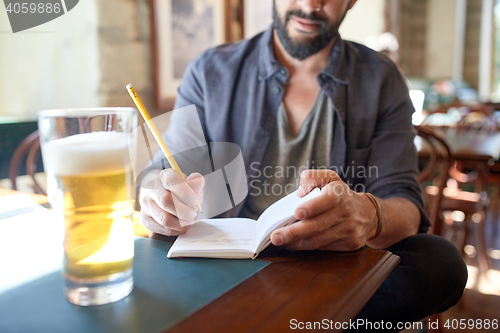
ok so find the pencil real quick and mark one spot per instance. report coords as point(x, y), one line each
point(156, 134)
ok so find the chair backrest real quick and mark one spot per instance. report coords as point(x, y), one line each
point(29, 147)
point(436, 171)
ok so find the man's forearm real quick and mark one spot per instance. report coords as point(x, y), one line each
point(401, 219)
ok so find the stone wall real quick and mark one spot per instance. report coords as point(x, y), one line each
point(472, 36)
point(125, 52)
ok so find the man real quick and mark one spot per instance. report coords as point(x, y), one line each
point(298, 95)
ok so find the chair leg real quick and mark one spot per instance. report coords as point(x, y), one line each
point(482, 255)
point(465, 238)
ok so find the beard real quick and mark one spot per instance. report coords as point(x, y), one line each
point(304, 49)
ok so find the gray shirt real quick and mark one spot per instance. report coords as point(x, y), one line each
point(288, 155)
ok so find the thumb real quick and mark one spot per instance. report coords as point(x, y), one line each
point(310, 179)
point(196, 182)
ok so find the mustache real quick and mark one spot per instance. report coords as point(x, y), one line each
point(314, 17)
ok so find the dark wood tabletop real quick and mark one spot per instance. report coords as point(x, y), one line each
point(468, 147)
point(308, 286)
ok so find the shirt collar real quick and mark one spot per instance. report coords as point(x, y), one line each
point(336, 68)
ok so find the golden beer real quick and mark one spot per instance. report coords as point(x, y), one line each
point(98, 230)
point(90, 181)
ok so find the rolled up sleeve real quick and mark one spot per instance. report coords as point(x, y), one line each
point(393, 153)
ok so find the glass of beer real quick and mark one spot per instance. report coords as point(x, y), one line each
point(86, 156)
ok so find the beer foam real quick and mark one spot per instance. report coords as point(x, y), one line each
point(96, 152)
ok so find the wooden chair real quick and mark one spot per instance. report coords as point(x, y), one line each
point(29, 147)
point(436, 172)
point(472, 204)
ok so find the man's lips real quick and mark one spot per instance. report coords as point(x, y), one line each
point(305, 25)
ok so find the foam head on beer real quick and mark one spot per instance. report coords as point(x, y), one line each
point(87, 153)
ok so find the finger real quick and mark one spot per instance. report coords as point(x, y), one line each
point(302, 229)
point(148, 222)
point(331, 196)
point(196, 182)
point(171, 181)
point(340, 237)
point(176, 216)
point(310, 179)
point(315, 242)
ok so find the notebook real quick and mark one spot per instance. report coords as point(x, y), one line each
point(238, 238)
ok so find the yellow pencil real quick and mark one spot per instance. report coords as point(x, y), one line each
point(156, 134)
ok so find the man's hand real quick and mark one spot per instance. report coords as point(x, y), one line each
point(338, 220)
point(168, 204)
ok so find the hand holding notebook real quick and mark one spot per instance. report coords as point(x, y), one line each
point(238, 238)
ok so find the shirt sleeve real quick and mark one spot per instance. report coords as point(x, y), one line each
point(393, 150)
point(185, 135)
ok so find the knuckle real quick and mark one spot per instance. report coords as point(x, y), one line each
point(313, 243)
point(346, 212)
point(165, 219)
point(316, 225)
point(306, 174)
point(144, 219)
point(165, 198)
point(291, 235)
point(333, 174)
point(145, 196)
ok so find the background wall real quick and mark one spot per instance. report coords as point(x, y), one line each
point(440, 38)
point(365, 19)
point(84, 58)
point(51, 66)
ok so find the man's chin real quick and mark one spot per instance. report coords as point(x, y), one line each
point(298, 37)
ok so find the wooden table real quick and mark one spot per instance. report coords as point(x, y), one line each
point(466, 147)
point(307, 286)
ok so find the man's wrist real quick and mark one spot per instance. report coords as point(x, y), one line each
point(377, 217)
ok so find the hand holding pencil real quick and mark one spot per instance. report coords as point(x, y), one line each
point(169, 203)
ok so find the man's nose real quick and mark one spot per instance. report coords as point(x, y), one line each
point(310, 6)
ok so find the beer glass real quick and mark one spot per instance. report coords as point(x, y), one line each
point(89, 183)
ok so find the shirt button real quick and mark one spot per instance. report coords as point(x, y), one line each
point(283, 72)
point(276, 90)
point(323, 76)
point(264, 132)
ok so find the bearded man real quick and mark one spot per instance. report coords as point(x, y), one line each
point(298, 95)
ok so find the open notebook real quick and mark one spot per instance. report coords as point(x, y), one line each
point(238, 237)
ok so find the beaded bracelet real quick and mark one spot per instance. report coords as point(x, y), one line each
point(379, 215)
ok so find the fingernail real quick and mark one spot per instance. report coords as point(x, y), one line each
point(279, 240)
point(185, 223)
point(300, 214)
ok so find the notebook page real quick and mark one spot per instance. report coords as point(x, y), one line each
point(281, 211)
point(215, 235)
